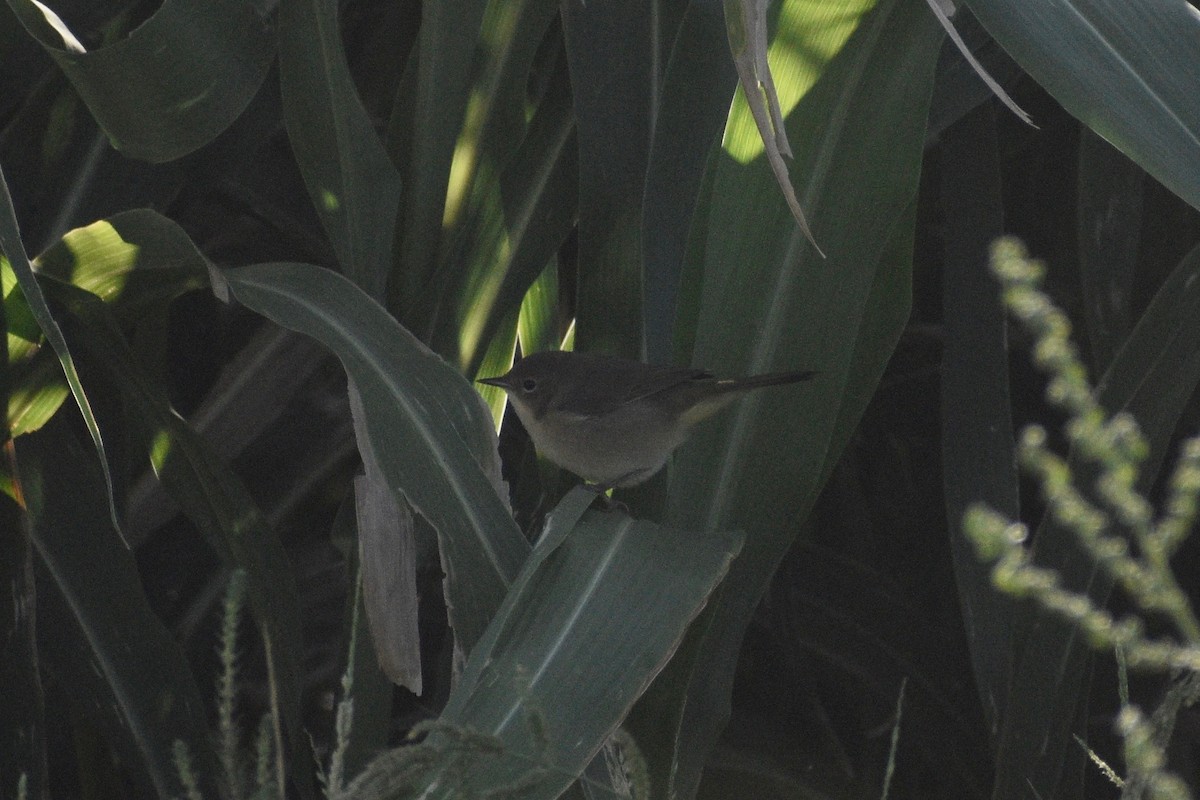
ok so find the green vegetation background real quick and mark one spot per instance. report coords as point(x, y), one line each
point(192, 179)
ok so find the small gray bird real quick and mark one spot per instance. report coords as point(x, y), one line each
point(612, 421)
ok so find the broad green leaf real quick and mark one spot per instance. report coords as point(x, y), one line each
point(421, 425)
point(137, 262)
point(698, 86)
point(540, 323)
point(24, 337)
point(14, 251)
point(38, 394)
point(1152, 377)
point(612, 53)
point(213, 498)
point(515, 222)
point(353, 185)
point(977, 429)
point(498, 109)
point(174, 82)
point(1128, 71)
point(422, 137)
point(97, 633)
point(595, 613)
point(496, 361)
point(855, 82)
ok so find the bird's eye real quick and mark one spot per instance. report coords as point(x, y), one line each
point(529, 384)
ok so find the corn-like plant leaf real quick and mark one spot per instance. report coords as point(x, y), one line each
point(1128, 71)
point(350, 178)
point(698, 85)
point(977, 429)
point(97, 632)
point(421, 425)
point(136, 261)
point(612, 50)
point(14, 251)
point(174, 83)
point(768, 301)
point(515, 222)
point(213, 498)
point(595, 613)
point(422, 138)
point(539, 324)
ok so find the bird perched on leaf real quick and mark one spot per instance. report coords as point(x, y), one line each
point(613, 421)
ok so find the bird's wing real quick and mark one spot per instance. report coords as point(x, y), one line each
point(605, 393)
point(659, 379)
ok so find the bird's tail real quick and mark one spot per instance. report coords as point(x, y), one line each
point(725, 390)
point(768, 379)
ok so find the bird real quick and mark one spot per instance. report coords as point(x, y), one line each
point(613, 421)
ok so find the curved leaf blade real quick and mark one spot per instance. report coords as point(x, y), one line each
point(698, 84)
point(422, 137)
point(518, 221)
point(11, 247)
point(857, 82)
point(97, 630)
point(215, 500)
point(353, 184)
point(1128, 71)
point(422, 425)
point(136, 261)
point(596, 612)
point(612, 52)
point(175, 82)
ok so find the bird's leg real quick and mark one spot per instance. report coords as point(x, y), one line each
point(602, 491)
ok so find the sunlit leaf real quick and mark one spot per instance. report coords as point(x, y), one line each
point(18, 260)
point(747, 21)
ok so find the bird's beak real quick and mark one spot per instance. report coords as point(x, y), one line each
point(496, 381)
